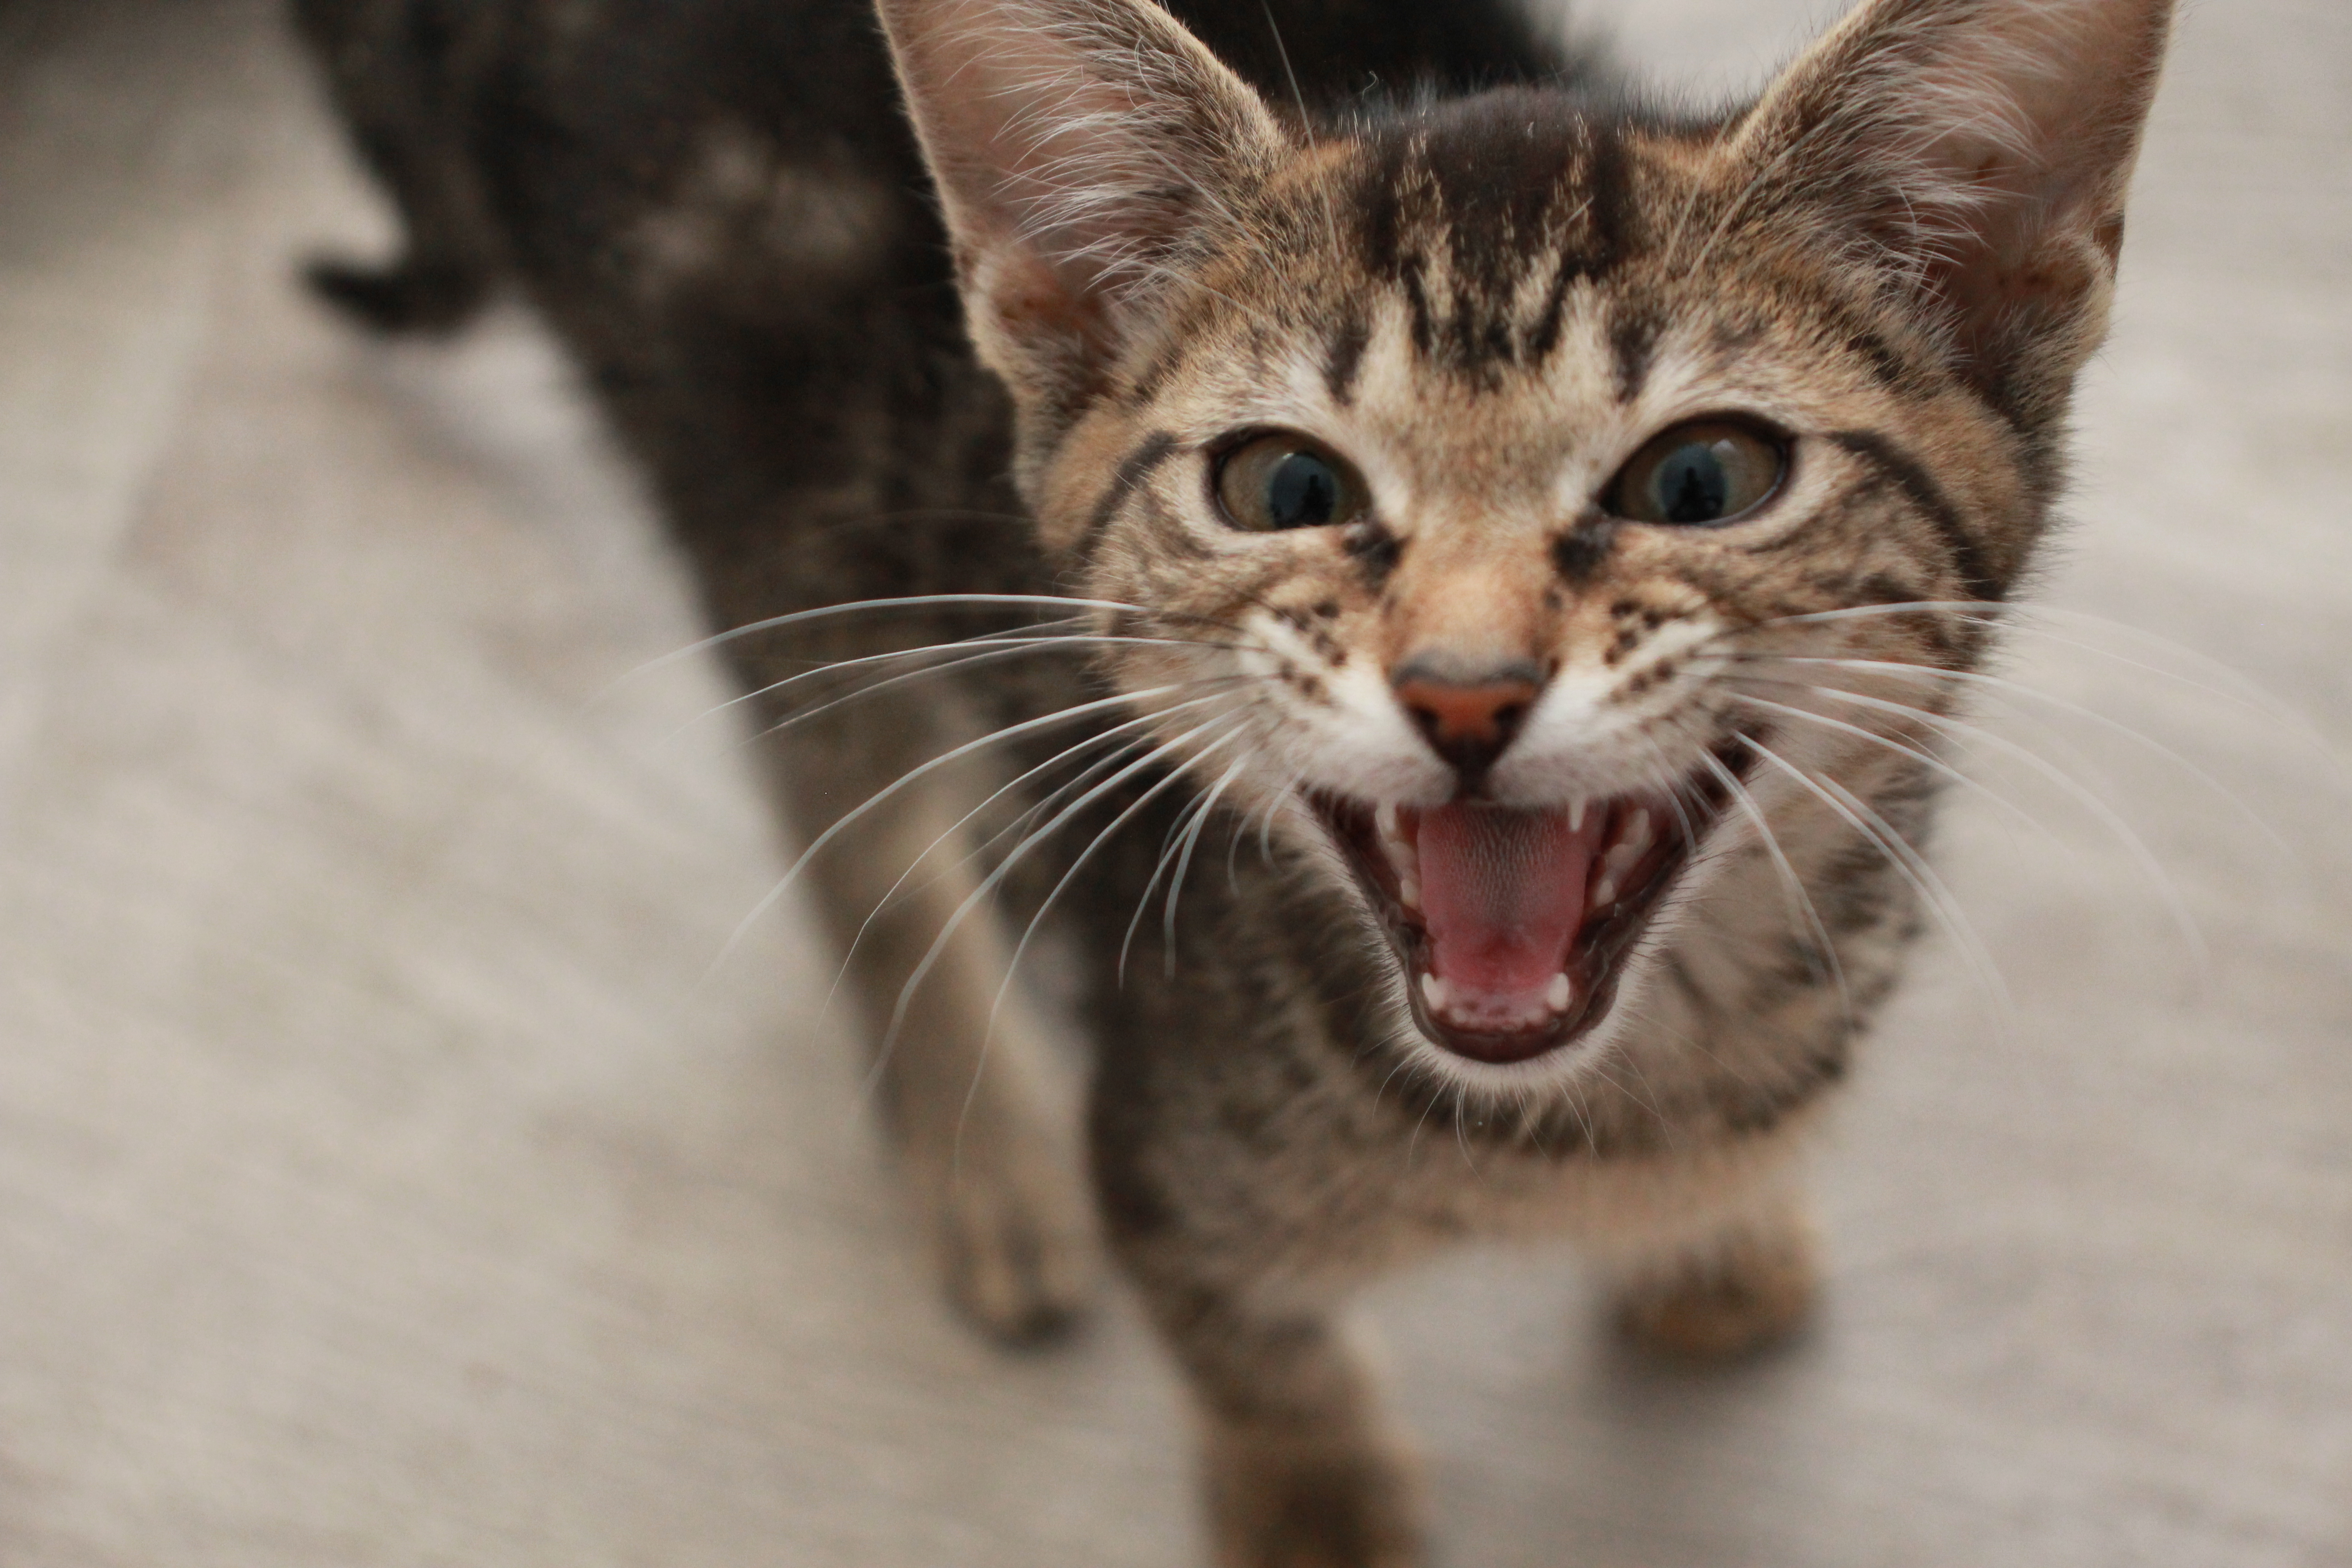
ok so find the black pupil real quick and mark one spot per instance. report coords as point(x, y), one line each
point(1301, 492)
point(1693, 485)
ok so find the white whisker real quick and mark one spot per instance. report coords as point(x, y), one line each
point(1801, 901)
point(860, 607)
point(905, 781)
point(1915, 870)
point(988, 884)
point(1898, 670)
point(2134, 846)
point(1085, 776)
point(1184, 862)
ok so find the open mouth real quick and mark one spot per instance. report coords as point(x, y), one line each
point(1512, 924)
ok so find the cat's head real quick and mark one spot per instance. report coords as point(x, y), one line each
point(1494, 469)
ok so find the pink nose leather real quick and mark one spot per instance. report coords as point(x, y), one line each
point(1468, 724)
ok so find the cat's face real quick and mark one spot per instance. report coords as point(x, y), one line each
point(1494, 501)
point(1495, 472)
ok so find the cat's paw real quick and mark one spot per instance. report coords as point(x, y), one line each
point(1016, 1239)
point(1278, 1502)
point(1756, 1291)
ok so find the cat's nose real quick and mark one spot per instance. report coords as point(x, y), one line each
point(1468, 714)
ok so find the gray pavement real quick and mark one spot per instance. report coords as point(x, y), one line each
point(387, 1177)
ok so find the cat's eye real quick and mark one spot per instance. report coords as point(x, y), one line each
point(1708, 472)
point(1281, 480)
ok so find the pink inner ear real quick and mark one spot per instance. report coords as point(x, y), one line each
point(1029, 294)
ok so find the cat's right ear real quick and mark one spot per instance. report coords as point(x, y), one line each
point(1080, 146)
point(1979, 149)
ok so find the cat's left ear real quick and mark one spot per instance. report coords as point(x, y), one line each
point(1982, 149)
point(1080, 146)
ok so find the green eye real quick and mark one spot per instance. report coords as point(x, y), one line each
point(1708, 472)
point(1282, 480)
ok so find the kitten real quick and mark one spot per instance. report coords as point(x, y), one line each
point(1489, 550)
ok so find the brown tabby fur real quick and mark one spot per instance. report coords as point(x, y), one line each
point(1899, 257)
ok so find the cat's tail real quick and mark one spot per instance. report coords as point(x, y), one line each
point(397, 71)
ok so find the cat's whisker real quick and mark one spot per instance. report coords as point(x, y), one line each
point(1184, 862)
point(1159, 868)
point(1266, 823)
point(1643, 1095)
point(1442, 1091)
point(2234, 686)
point(966, 649)
point(1822, 957)
point(1671, 782)
point(1274, 801)
point(818, 670)
point(1188, 822)
point(1125, 815)
point(1045, 802)
point(908, 779)
point(988, 885)
point(1915, 870)
point(2159, 880)
point(1896, 669)
point(1462, 1141)
point(993, 654)
point(1929, 760)
point(1651, 1020)
point(1092, 771)
point(1030, 838)
point(979, 602)
point(1305, 122)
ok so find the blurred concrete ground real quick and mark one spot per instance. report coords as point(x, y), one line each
point(382, 1182)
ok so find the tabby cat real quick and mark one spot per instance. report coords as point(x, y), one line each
point(1433, 580)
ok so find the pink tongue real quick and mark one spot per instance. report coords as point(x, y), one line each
point(1502, 894)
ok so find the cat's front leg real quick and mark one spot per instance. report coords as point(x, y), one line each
point(962, 1074)
point(1234, 1194)
point(1301, 1465)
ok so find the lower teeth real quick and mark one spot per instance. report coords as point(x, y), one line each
point(1437, 993)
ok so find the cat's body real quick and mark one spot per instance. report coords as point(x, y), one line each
point(1371, 430)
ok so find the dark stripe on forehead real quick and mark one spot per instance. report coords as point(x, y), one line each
point(1968, 559)
point(1484, 191)
point(1594, 231)
point(1138, 467)
point(1609, 190)
point(1416, 303)
point(1344, 356)
point(1545, 336)
point(1632, 341)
